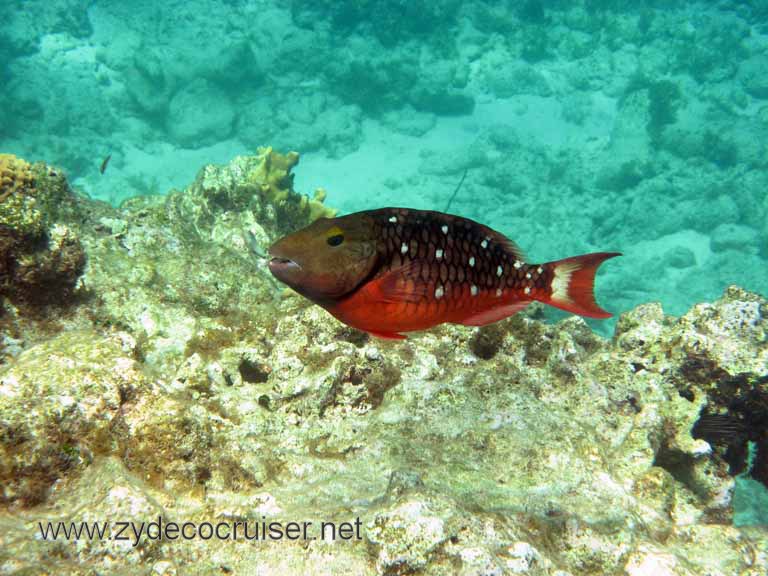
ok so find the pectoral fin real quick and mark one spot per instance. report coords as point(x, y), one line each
point(401, 284)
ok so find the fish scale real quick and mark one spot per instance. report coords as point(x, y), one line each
point(461, 243)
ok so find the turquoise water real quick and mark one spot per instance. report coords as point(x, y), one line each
point(580, 127)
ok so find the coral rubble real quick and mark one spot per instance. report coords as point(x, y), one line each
point(183, 386)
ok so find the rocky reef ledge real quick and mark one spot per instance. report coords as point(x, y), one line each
point(150, 369)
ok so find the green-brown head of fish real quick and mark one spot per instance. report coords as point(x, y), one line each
point(326, 260)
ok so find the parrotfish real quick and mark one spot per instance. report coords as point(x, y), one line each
point(396, 270)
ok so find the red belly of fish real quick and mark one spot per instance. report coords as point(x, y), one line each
point(390, 316)
point(376, 316)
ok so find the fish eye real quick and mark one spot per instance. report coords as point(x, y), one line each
point(335, 240)
point(334, 236)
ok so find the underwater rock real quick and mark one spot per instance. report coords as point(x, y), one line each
point(337, 129)
point(200, 114)
point(188, 386)
point(396, 23)
point(405, 536)
point(47, 232)
point(28, 27)
point(40, 261)
point(409, 121)
point(212, 282)
point(735, 237)
point(59, 401)
point(149, 84)
point(379, 82)
point(679, 256)
point(50, 276)
point(630, 138)
point(442, 91)
point(507, 81)
point(450, 104)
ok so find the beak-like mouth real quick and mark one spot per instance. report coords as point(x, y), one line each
point(279, 265)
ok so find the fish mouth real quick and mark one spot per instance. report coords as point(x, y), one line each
point(279, 265)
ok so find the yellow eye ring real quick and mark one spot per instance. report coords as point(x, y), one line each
point(334, 236)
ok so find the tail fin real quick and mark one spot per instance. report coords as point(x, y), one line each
point(573, 284)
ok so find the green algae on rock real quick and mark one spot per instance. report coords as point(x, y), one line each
point(41, 259)
point(184, 387)
point(59, 402)
point(580, 460)
point(178, 269)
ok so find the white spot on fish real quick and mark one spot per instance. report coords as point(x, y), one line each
point(527, 290)
point(439, 292)
point(473, 290)
point(484, 243)
point(517, 264)
point(528, 275)
point(393, 219)
point(438, 253)
point(498, 292)
point(499, 271)
point(404, 248)
point(444, 228)
point(539, 270)
point(471, 260)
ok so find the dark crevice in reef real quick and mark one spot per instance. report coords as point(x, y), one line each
point(356, 337)
point(698, 371)
point(487, 341)
point(361, 384)
point(737, 416)
point(681, 466)
point(253, 372)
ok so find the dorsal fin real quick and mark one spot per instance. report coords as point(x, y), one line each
point(505, 243)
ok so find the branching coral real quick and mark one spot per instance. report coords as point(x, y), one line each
point(275, 180)
point(251, 189)
point(273, 176)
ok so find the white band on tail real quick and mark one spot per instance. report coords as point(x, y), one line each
point(562, 280)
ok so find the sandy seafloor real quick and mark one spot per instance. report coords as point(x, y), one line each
point(581, 126)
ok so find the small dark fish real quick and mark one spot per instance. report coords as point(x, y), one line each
point(721, 429)
point(104, 163)
point(397, 270)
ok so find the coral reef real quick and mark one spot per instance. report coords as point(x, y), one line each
point(60, 399)
point(187, 388)
point(258, 187)
point(15, 176)
point(40, 260)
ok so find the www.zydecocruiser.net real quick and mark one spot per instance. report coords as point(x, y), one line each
point(165, 530)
